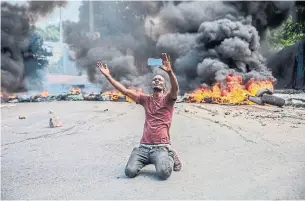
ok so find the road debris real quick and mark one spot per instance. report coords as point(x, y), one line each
point(262, 123)
point(21, 117)
point(227, 113)
point(54, 121)
point(236, 114)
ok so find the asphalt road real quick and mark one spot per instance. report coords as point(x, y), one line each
point(228, 152)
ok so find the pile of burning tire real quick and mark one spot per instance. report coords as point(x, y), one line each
point(63, 97)
point(263, 97)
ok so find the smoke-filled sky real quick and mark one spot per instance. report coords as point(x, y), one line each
point(19, 45)
point(69, 12)
point(206, 40)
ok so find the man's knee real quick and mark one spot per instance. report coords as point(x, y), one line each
point(131, 171)
point(164, 170)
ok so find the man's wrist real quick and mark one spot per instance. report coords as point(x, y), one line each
point(108, 76)
point(171, 72)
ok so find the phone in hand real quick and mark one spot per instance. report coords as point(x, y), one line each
point(154, 62)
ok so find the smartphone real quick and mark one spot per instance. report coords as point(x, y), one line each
point(154, 62)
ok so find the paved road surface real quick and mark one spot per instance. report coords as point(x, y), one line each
point(228, 152)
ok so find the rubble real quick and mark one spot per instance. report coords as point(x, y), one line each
point(294, 98)
point(289, 91)
point(66, 97)
point(21, 117)
point(54, 121)
point(286, 97)
point(227, 113)
point(75, 97)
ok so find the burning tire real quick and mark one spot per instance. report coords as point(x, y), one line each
point(264, 96)
point(273, 100)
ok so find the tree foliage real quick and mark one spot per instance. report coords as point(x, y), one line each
point(51, 33)
point(287, 34)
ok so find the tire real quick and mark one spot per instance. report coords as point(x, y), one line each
point(273, 100)
point(256, 100)
point(263, 91)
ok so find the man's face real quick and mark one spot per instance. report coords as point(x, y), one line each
point(158, 82)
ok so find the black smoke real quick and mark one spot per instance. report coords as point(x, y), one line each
point(22, 55)
point(268, 14)
point(206, 40)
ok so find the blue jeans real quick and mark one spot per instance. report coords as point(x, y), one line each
point(141, 156)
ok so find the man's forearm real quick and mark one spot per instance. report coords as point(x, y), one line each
point(174, 83)
point(116, 84)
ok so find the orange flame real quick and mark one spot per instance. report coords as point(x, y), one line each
point(44, 93)
point(253, 86)
point(75, 91)
point(115, 95)
point(12, 96)
point(137, 90)
point(233, 93)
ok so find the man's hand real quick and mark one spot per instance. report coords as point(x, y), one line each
point(103, 68)
point(166, 63)
point(168, 68)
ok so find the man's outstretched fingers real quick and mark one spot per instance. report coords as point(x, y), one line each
point(99, 64)
point(164, 58)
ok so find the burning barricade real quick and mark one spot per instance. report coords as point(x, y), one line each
point(233, 91)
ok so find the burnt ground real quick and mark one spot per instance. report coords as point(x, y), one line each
point(228, 152)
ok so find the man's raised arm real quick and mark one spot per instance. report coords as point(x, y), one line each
point(173, 80)
point(121, 88)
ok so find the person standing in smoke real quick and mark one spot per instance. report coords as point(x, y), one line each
point(155, 143)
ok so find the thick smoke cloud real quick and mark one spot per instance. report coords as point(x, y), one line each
point(268, 14)
point(121, 43)
point(206, 40)
point(223, 46)
point(16, 42)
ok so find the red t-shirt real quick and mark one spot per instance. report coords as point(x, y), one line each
point(158, 112)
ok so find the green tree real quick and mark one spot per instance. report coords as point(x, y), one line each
point(51, 33)
point(287, 34)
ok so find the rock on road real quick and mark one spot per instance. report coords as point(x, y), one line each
point(228, 152)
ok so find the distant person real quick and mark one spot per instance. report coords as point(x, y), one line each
point(155, 143)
